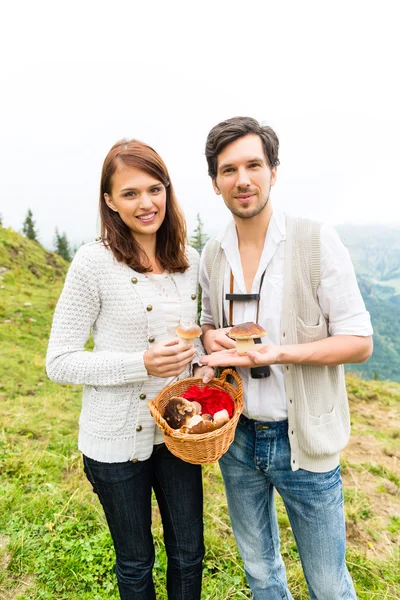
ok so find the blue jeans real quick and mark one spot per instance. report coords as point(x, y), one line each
point(257, 462)
point(124, 490)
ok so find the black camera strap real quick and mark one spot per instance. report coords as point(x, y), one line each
point(264, 370)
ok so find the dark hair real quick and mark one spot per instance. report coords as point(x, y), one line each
point(228, 131)
point(171, 236)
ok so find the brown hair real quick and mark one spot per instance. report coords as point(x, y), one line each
point(231, 130)
point(171, 236)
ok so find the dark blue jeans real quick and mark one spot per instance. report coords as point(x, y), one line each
point(124, 490)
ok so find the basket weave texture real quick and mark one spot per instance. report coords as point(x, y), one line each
point(201, 448)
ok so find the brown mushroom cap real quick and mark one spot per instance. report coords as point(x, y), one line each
point(203, 427)
point(188, 331)
point(178, 411)
point(246, 330)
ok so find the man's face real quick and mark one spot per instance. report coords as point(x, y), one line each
point(244, 177)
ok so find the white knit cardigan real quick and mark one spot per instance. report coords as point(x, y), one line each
point(124, 312)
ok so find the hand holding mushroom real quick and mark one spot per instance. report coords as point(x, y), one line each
point(247, 353)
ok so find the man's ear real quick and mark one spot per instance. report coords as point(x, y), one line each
point(274, 173)
point(216, 188)
point(109, 202)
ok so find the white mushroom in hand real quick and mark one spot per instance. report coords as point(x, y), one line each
point(187, 333)
point(244, 335)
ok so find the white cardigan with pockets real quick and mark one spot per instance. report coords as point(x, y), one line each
point(125, 315)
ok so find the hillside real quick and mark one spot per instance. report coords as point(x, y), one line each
point(54, 543)
point(375, 251)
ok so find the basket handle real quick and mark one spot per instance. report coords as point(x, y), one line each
point(235, 376)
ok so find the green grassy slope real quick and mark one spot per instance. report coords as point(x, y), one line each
point(54, 543)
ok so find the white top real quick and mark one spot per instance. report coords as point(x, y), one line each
point(338, 294)
point(171, 306)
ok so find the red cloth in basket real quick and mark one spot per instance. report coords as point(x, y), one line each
point(211, 399)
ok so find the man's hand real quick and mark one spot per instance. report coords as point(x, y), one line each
point(334, 350)
point(168, 358)
point(215, 340)
point(266, 354)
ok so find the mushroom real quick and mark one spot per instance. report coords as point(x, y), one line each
point(178, 411)
point(187, 333)
point(205, 426)
point(205, 423)
point(195, 420)
point(221, 417)
point(245, 334)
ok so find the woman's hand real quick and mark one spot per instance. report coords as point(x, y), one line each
point(168, 358)
point(207, 373)
point(267, 354)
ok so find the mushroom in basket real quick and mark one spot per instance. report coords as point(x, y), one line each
point(179, 411)
point(185, 415)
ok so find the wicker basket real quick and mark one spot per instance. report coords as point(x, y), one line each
point(201, 448)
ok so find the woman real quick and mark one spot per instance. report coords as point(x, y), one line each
point(131, 289)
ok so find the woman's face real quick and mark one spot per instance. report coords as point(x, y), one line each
point(139, 199)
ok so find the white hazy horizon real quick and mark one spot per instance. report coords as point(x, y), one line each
point(80, 76)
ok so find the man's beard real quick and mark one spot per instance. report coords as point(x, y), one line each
point(256, 211)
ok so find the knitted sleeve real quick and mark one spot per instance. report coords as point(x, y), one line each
point(76, 312)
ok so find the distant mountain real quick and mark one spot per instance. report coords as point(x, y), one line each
point(375, 252)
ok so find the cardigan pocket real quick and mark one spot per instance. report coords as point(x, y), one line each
point(105, 411)
point(311, 333)
point(324, 418)
point(324, 435)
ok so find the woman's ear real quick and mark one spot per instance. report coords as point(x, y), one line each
point(109, 202)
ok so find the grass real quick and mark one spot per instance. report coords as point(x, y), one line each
point(54, 542)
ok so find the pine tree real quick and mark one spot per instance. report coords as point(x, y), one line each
point(62, 246)
point(1, 220)
point(198, 240)
point(29, 227)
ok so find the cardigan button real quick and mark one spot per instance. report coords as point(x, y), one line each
point(193, 296)
point(142, 396)
point(134, 460)
point(134, 280)
point(139, 428)
point(291, 401)
point(151, 340)
point(149, 308)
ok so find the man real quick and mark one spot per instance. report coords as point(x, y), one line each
point(305, 295)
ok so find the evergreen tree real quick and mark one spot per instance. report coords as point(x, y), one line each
point(1, 220)
point(29, 227)
point(62, 246)
point(198, 240)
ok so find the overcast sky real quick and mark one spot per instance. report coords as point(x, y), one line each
point(78, 76)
